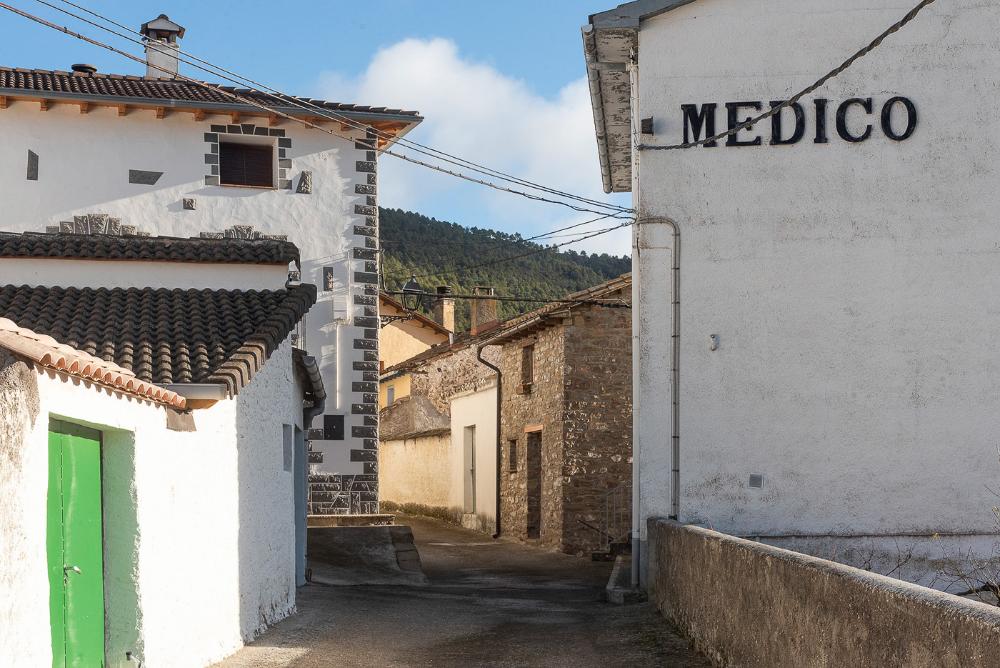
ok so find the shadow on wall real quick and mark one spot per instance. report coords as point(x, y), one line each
point(266, 506)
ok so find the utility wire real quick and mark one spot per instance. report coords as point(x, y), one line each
point(511, 258)
point(552, 233)
point(837, 71)
point(277, 112)
point(309, 105)
point(610, 303)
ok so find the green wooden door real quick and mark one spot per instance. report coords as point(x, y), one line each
point(75, 546)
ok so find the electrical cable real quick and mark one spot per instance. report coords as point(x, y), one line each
point(837, 71)
point(276, 112)
point(309, 105)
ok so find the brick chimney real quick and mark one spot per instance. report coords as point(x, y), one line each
point(484, 311)
point(444, 308)
point(161, 35)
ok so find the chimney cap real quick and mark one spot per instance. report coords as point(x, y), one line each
point(161, 27)
point(444, 289)
point(83, 68)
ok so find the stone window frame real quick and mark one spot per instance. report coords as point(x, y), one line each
point(284, 145)
point(527, 367)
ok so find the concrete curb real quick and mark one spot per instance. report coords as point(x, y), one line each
point(619, 588)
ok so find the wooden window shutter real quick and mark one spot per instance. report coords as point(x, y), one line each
point(246, 164)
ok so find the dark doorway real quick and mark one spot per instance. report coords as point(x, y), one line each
point(534, 480)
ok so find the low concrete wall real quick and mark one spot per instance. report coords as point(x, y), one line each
point(749, 604)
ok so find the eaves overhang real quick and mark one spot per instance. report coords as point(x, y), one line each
point(610, 43)
point(397, 124)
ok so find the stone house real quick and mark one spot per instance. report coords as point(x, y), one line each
point(566, 420)
point(152, 447)
point(157, 153)
point(565, 427)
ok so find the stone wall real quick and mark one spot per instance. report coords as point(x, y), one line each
point(749, 604)
point(543, 406)
point(443, 377)
point(597, 439)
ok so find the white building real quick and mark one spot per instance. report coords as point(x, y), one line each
point(152, 447)
point(158, 154)
point(830, 281)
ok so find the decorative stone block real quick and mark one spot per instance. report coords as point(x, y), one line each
point(276, 132)
point(365, 344)
point(364, 321)
point(143, 177)
point(362, 189)
point(32, 166)
point(364, 409)
point(285, 142)
point(365, 366)
point(305, 186)
point(364, 210)
point(366, 277)
point(365, 166)
point(211, 180)
point(365, 231)
point(369, 398)
point(189, 203)
point(364, 300)
point(364, 387)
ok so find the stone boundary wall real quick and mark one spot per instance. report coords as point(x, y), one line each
point(750, 604)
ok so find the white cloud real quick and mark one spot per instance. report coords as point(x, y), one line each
point(480, 114)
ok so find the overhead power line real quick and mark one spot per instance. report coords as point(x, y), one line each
point(610, 303)
point(837, 71)
point(511, 258)
point(551, 233)
point(308, 105)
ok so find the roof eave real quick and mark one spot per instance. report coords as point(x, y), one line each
point(631, 14)
point(220, 107)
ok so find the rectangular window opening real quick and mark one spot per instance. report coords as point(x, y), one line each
point(527, 368)
point(512, 455)
point(246, 164)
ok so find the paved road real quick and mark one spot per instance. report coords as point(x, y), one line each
point(488, 604)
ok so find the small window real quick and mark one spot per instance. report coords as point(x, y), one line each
point(390, 395)
point(527, 368)
point(246, 165)
point(512, 455)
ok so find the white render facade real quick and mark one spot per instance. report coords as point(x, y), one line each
point(155, 168)
point(199, 529)
point(837, 301)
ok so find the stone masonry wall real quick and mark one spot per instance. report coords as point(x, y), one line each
point(543, 406)
point(597, 440)
point(441, 378)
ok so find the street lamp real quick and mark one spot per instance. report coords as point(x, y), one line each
point(412, 294)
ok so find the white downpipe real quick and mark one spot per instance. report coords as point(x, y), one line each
point(633, 75)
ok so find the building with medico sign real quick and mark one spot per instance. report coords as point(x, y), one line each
point(816, 296)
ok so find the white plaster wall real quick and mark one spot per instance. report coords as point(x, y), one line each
point(115, 274)
point(855, 288)
point(83, 168)
point(24, 603)
point(214, 508)
point(477, 408)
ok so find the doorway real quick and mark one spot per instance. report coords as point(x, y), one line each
point(534, 484)
point(469, 442)
point(75, 545)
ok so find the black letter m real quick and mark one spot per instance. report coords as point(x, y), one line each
point(696, 121)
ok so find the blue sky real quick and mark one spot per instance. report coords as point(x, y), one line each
point(501, 83)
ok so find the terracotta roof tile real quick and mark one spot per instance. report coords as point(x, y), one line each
point(167, 249)
point(165, 336)
point(47, 352)
point(118, 85)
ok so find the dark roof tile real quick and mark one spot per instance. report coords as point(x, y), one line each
point(118, 85)
point(165, 249)
point(165, 336)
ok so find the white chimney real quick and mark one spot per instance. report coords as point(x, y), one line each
point(161, 35)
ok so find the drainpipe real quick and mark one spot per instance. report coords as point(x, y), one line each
point(675, 301)
point(479, 356)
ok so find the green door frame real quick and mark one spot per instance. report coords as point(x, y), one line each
point(75, 545)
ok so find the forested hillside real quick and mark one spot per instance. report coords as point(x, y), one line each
point(416, 244)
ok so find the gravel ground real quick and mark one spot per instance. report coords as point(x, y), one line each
point(487, 604)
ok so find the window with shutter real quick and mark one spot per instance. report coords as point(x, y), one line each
point(246, 164)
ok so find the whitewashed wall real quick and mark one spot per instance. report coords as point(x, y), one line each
point(855, 288)
point(84, 163)
point(476, 409)
point(199, 530)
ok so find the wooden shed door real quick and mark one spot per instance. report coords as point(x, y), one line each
point(75, 546)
